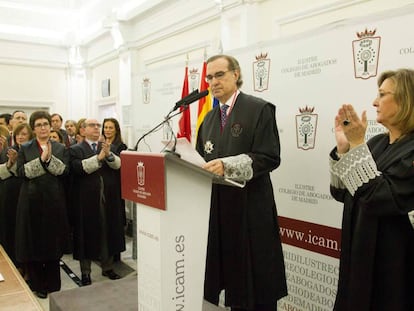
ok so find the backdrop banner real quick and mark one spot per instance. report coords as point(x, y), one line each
point(308, 77)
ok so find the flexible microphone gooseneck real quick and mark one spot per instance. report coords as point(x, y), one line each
point(184, 102)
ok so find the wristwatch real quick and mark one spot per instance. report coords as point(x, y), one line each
point(110, 158)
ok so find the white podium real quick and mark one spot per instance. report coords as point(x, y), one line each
point(173, 205)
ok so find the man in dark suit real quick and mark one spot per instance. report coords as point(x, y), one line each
point(17, 117)
point(71, 129)
point(5, 120)
point(239, 140)
point(57, 121)
point(98, 230)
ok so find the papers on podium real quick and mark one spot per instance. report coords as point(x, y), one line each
point(187, 152)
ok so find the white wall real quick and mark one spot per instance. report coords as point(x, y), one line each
point(159, 38)
point(30, 88)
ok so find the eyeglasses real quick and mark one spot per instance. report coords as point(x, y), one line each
point(382, 94)
point(94, 125)
point(218, 75)
point(40, 125)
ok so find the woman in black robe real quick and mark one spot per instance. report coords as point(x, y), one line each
point(11, 190)
point(41, 220)
point(375, 181)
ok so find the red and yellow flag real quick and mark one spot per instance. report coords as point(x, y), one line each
point(185, 121)
point(204, 104)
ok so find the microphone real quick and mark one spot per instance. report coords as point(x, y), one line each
point(192, 97)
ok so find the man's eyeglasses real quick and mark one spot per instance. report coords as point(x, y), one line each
point(40, 125)
point(99, 125)
point(218, 75)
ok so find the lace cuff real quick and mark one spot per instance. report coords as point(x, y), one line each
point(34, 168)
point(238, 167)
point(91, 164)
point(56, 166)
point(355, 168)
point(4, 172)
point(411, 217)
point(335, 180)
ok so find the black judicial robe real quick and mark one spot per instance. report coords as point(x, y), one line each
point(3, 222)
point(117, 148)
point(244, 253)
point(91, 228)
point(377, 247)
point(41, 221)
point(9, 195)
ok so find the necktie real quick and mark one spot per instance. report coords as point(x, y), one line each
point(223, 114)
point(94, 147)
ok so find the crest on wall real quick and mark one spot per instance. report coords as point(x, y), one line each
point(261, 70)
point(306, 123)
point(146, 90)
point(194, 79)
point(366, 53)
point(141, 173)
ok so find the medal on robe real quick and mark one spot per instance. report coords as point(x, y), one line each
point(208, 147)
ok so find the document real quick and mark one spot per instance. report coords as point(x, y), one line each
point(188, 153)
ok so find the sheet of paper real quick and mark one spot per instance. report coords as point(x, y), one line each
point(189, 154)
point(186, 151)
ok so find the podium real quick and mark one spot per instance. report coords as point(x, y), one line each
point(173, 206)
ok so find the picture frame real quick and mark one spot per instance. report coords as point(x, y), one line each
point(105, 88)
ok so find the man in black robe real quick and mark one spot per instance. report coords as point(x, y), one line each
point(98, 229)
point(244, 253)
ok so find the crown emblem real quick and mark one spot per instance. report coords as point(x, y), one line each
point(140, 164)
point(365, 34)
point(146, 80)
point(306, 110)
point(193, 71)
point(261, 56)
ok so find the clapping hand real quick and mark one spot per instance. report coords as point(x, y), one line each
point(47, 152)
point(3, 142)
point(349, 128)
point(105, 148)
point(12, 157)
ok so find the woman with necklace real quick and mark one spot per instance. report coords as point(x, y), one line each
point(111, 131)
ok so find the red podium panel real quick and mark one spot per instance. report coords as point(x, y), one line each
point(137, 186)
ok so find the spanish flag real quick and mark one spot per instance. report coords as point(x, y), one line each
point(204, 104)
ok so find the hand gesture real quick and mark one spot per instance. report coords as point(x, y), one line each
point(47, 152)
point(349, 128)
point(3, 142)
point(105, 150)
point(215, 166)
point(12, 157)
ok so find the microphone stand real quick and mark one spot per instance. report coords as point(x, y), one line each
point(184, 102)
point(167, 118)
point(172, 151)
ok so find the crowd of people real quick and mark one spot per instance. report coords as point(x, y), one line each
point(60, 193)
